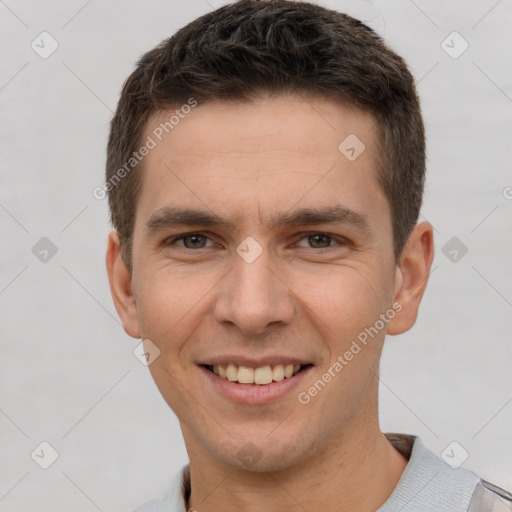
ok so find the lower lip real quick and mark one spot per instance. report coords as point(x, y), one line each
point(253, 394)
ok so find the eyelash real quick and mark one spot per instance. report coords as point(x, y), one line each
point(340, 240)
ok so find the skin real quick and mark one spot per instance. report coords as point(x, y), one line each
point(302, 297)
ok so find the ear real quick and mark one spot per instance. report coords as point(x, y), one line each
point(412, 276)
point(120, 281)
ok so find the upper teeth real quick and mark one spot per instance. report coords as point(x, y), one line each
point(262, 375)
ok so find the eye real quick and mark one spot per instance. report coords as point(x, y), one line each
point(190, 241)
point(321, 241)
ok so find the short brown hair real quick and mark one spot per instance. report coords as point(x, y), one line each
point(250, 47)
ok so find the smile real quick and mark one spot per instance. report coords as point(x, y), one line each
point(262, 375)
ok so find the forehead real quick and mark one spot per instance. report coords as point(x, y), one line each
point(267, 153)
point(314, 124)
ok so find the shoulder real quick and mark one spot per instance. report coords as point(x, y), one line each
point(490, 498)
point(429, 483)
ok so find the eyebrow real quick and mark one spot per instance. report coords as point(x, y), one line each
point(168, 217)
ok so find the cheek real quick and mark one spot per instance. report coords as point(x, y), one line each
point(169, 307)
point(342, 302)
point(170, 310)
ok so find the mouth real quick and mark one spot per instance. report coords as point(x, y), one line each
point(259, 376)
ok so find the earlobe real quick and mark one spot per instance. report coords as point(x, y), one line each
point(412, 277)
point(120, 281)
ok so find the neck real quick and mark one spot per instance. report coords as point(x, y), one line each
point(358, 472)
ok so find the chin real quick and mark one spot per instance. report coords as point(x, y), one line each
point(262, 453)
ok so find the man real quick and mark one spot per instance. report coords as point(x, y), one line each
point(265, 173)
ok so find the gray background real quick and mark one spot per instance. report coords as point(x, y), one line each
point(67, 372)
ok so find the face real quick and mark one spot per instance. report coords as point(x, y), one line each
point(261, 253)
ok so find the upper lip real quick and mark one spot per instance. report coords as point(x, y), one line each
point(253, 362)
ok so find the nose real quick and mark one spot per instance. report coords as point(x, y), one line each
point(252, 296)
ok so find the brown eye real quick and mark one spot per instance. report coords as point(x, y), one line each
point(194, 241)
point(319, 241)
point(188, 241)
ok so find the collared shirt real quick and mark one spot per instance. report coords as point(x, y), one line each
point(428, 484)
